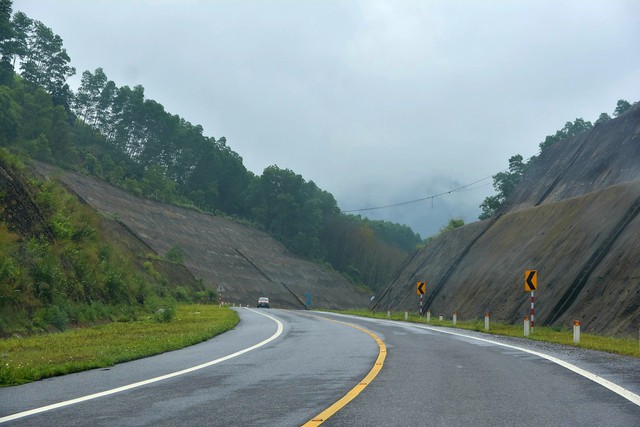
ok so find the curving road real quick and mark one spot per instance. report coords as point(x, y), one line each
point(283, 368)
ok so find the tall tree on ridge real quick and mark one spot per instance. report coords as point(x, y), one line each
point(6, 46)
point(46, 64)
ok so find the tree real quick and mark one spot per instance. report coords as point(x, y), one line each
point(489, 206)
point(274, 200)
point(60, 135)
point(87, 102)
point(46, 63)
point(569, 130)
point(6, 46)
point(604, 117)
point(621, 107)
point(504, 183)
point(451, 225)
point(6, 30)
point(128, 117)
point(9, 117)
point(21, 24)
point(155, 184)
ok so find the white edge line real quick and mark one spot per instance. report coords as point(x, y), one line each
point(149, 381)
point(627, 394)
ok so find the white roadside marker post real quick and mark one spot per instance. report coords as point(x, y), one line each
point(455, 318)
point(406, 315)
point(526, 326)
point(389, 314)
point(576, 332)
point(486, 321)
point(531, 285)
point(428, 316)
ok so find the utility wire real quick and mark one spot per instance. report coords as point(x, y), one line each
point(419, 200)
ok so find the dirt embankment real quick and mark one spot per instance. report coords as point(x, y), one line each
point(575, 218)
point(245, 262)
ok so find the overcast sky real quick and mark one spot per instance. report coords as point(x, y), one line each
point(377, 102)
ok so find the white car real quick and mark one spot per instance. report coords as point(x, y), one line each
point(263, 302)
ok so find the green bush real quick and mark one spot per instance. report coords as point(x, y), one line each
point(175, 255)
point(206, 296)
point(51, 316)
point(164, 315)
point(182, 294)
point(117, 290)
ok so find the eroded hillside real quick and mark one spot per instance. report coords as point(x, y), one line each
point(574, 217)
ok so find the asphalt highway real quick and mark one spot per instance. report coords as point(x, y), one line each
point(283, 368)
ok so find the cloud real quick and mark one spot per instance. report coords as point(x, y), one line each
point(375, 101)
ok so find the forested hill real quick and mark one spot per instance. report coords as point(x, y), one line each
point(119, 135)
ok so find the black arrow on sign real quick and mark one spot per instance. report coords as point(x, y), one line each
point(529, 280)
point(421, 287)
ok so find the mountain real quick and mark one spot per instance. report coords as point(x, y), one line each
point(574, 218)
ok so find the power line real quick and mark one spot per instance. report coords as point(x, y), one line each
point(422, 199)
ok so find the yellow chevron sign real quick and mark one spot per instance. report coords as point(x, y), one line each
point(530, 280)
point(421, 288)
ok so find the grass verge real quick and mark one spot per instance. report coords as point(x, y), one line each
point(32, 358)
point(623, 346)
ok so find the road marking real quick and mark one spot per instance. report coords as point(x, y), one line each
point(619, 390)
point(382, 354)
point(149, 381)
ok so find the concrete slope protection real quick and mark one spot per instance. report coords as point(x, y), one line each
point(244, 262)
point(574, 217)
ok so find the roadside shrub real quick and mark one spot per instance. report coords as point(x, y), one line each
point(164, 315)
point(51, 316)
point(206, 296)
point(116, 287)
point(182, 294)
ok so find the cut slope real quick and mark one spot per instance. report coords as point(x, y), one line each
point(247, 263)
point(574, 218)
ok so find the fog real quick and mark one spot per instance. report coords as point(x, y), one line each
point(377, 102)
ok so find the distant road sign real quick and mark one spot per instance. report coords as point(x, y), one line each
point(530, 280)
point(421, 288)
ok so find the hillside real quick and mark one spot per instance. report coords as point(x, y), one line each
point(573, 217)
point(247, 263)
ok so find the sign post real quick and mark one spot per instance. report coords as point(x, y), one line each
point(421, 288)
point(220, 291)
point(531, 285)
point(308, 300)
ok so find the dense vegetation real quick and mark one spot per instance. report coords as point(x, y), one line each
point(119, 135)
point(506, 181)
point(57, 269)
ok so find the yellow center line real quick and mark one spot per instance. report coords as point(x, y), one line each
point(324, 415)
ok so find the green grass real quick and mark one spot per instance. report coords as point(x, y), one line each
point(624, 346)
point(32, 358)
